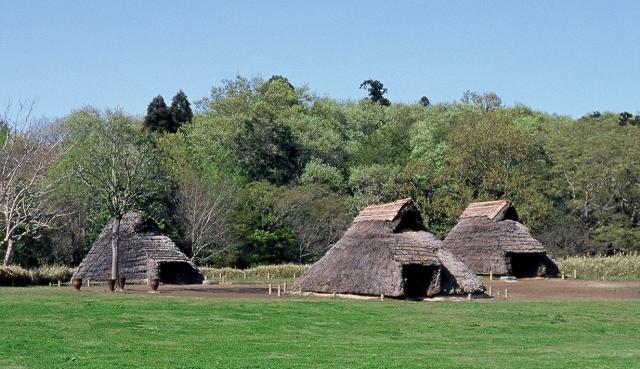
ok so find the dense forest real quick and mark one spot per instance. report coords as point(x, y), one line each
point(262, 171)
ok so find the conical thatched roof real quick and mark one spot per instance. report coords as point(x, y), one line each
point(386, 249)
point(489, 238)
point(143, 252)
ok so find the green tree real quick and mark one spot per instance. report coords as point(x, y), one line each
point(180, 111)
point(158, 118)
point(376, 91)
point(267, 150)
point(116, 163)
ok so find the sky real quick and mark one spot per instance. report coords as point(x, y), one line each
point(566, 57)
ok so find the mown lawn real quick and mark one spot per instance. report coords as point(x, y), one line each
point(54, 328)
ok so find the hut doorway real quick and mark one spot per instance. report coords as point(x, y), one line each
point(175, 272)
point(525, 264)
point(417, 279)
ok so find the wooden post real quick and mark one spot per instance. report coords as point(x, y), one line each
point(294, 275)
point(59, 283)
point(506, 293)
point(469, 296)
point(50, 284)
point(244, 274)
point(490, 291)
point(284, 289)
point(499, 295)
point(382, 297)
point(269, 288)
point(335, 295)
point(268, 276)
point(88, 282)
point(563, 276)
point(219, 277)
point(491, 275)
point(575, 274)
point(278, 289)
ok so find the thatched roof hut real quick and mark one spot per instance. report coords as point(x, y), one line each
point(143, 252)
point(490, 238)
point(387, 251)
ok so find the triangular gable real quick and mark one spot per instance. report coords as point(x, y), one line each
point(383, 212)
point(487, 209)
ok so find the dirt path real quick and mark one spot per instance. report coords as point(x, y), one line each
point(568, 289)
point(519, 290)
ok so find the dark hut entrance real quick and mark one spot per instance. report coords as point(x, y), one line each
point(525, 264)
point(417, 279)
point(175, 273)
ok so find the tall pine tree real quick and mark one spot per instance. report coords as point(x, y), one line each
point(158, 116)
point(181, 112)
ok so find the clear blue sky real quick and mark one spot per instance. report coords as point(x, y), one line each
point(565, 57)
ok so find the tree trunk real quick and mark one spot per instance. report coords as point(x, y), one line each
point(115, 237)
point(8, 251)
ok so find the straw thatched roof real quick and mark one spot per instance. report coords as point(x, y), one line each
point(143, 252)
point(387, 251)
point(489, 238)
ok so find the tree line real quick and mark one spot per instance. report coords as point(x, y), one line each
point(262, 171)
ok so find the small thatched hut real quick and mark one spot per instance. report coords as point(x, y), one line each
point(490, 238)
point(143, 253)
point(387, 251)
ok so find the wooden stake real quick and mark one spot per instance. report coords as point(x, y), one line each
point(469, 297)
point(575, 274)
point(268, 275)
point(59, 283)
point(88, 283)
point(382, 297)
point(506, 293)
point(278, 289)
point(563, 276)
point(491, 275)
point(269, 288)
point(284, 288)
point(294, 275)
point(220, 277)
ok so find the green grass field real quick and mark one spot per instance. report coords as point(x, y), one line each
point(52, 328)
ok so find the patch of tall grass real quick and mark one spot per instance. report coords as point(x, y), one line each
point(13, 275)
point(256, 274)
point(614, 267)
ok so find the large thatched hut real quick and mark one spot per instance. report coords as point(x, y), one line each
point(143, 253)
point(490, 238)
point(387, 251)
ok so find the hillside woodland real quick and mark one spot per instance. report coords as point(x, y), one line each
point(264, 172)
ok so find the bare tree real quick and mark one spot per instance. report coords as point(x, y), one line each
point(117, 164)
point(317, 216)
point(27, 151)
point(204, 212)
point(485, 101)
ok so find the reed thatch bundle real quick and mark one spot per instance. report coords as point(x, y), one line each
point(387, 251)
point(490, 238)
point(143, 253)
